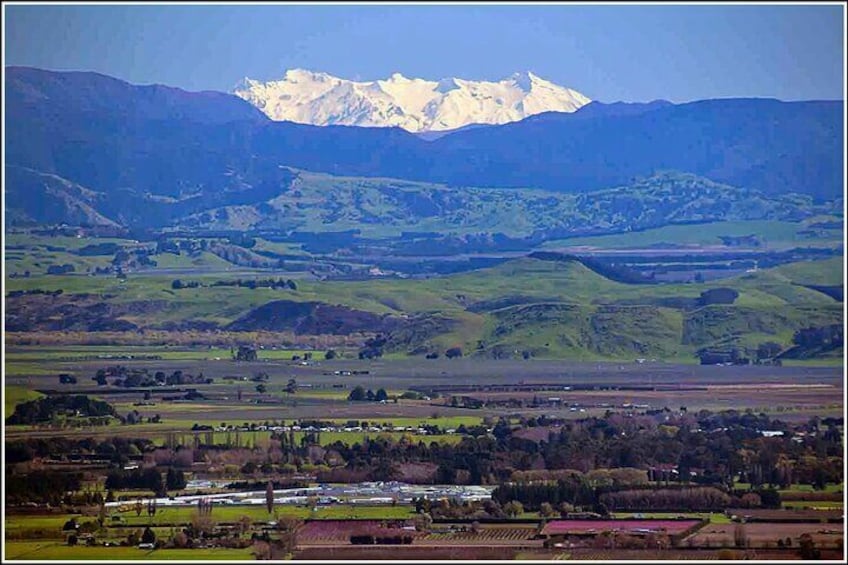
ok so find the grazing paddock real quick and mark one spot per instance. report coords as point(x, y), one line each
point(786, 515)
point(23, 550)
point(583, 527)
point(813, 504)
point(405, 553)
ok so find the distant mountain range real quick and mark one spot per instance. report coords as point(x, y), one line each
point(413, 104)
point(84, 145)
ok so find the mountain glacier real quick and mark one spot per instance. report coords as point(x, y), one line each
point(413, 104)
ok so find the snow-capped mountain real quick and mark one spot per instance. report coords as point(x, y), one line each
point(410, 103)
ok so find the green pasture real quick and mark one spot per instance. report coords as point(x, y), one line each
point(836, 361)
point(797, 488)
point(25, 369)
point(181, 515)
point(14, 395)
point(775, 234)
point(27, 550)
point(817, 504)
point(802, 488)
point(713, 517)
point(572, 303)
point(280, 247)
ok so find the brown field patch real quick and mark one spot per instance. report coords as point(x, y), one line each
point(767, 534)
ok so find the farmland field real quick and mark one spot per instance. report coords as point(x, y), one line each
point(584, 526)
point(766, 535)
point(25, 550)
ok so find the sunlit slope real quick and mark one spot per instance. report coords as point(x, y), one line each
point(541, 308)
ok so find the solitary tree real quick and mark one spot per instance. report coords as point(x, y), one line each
point(175, 479)
point(513, 508)
point(148, 536)
point(740, 538)
point(269, 497)
point(453, 352)
point(358, 393)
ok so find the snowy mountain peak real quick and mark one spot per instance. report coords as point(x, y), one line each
point(446, 85)
point(524, 80)
point(414, 104)
point(303, 74)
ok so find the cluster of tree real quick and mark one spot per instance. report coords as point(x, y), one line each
point(40, 486)
point(262, 283)
point(60, 269)
point(118, 449)
point(359, 394)
point(244, 353)
point(455, 510)
point(134, 417)
point(373, 347)
point(576, 490)
point(94, 249)
point(132, 259)
point(620, 477)
point(732, 355)
point(608, 455)
point(826, 337)
point(149, 479)
point(573, 490)
point(14, 293)
point(189, 246)
point(703, 449)
point(717, 296)
point(17, 275)
point(191, 394)
point(175, 479)
point(705, 499)
point(141, 378)
point(178, 284)
point(47, 408)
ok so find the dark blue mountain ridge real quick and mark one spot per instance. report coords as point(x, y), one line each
point(773, 146)
point(591, 110)
point(107, 134)
point(96, 93)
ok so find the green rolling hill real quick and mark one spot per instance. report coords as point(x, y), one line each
point(527, 306)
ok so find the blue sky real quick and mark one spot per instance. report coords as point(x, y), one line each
point(609, 53)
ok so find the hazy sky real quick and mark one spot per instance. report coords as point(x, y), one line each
point(609, 53)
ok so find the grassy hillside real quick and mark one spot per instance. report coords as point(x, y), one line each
point(771, 234)
point(547, 308)
point(298, 200)
point(386, 207)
